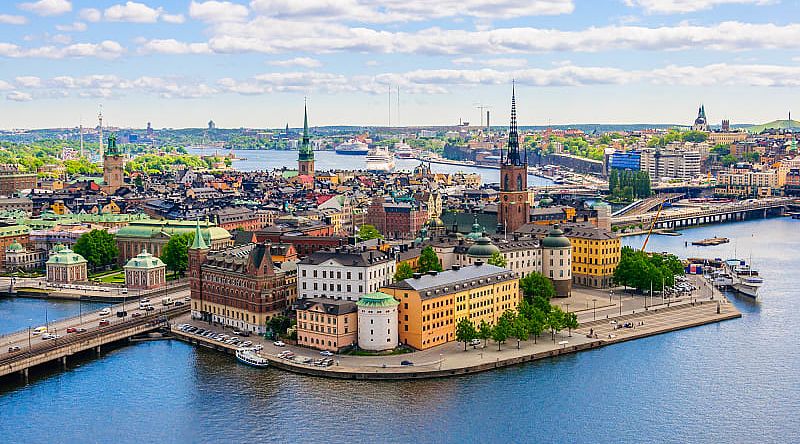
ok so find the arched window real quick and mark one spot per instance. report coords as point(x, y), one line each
point(505, 183)
point(519, 182)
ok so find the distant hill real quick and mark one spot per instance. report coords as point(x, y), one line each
point(775, 124)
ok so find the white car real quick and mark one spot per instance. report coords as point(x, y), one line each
point(475, 342)
point(105, 312)
point(326, 353)
point(279, 344)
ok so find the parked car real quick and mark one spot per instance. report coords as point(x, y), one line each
point(406, 363)
point(279, 344)
point(13, 349)
point(475, 342)
point(326, 353)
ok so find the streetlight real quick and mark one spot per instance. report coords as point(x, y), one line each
point(441, 358)
point(620, 304)
point(594, 309)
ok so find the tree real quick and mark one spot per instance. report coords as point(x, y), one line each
point(555, 321)
point(502, 330)
point(519, 329)
point(571, 322)
point(98, 247)
point(484, 332)
point(535, 284)
point(465, 331)
point(498, 260)
point(404, 271)
point(368, 232)
point(640, 270)
point(279, 324)
point(429, 261)
point(176, 253)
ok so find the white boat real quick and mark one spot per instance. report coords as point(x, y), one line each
point(744, 279)
point(404, 151)
point(380, 160)
point(251, 357)
point(353, 147)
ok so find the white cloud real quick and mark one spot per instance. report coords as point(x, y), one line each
point(173, 18)
point(28, 81)
point(131, 12)
point(107, 49)
point(305, 62)
point(74, 27)
point(5, 86)
point(686, 6)
point(217, 11)
point(61, 39)
point(7, 19)
point(172, 46)
point(18, 96)
point(47, 7)
point(494, 63)
point(91, 14)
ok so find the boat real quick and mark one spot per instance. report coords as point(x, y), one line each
point(380, 160)
point(744, 279)
point(711, 241)
point(251, 357)
point(352, 147)
point(404, 151)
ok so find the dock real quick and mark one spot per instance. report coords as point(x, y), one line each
point(712, 241)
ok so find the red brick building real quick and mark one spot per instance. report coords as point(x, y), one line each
point(12, 181)
point(513, 210)
point(397, 220)
point(231, 218)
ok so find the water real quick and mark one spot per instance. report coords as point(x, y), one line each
point(20, 313)
point(732, 382)
point(257, 160)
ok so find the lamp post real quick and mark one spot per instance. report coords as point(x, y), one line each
point(594, 309)
point(620, 304)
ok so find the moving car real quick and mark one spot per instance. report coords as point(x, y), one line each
point(279, 344)
point(104, 322)
point(406, 363)
point(105, 312)
point(326, 353)
point(14, 348)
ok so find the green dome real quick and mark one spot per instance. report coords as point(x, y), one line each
point(15, 247)
point(477, 231)
point(556, 239)
point(482, 248)
point(377, 299)
point(545, 201)
point(600, 204)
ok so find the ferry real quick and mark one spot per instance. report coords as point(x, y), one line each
point(404, 151)
point(743, 278)
point(353, 147)
point(380, 160)
point(251, 357)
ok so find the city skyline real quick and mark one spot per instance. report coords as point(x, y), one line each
point(181, 63)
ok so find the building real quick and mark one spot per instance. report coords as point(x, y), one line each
point(742, 180)
point(727, 137)
point(431, 305)
point(557, 261)
point(145, 272)
point(670, 163)
point(701, 122)
point(326, 324)
point(625, 160)
point(595, 255)
point(397, 219)
point(152, 235)
point(65, 266)
point(113, 166)
point(377, 322)
point(19, 258)
point(513, 210)
point(239, 287)
point(792, 182)
point(305, 154)
point(12, 180)
point(10, 234)
point(16, 203)
point(344, 273)
point(232, 218)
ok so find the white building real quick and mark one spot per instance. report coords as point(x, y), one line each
point(344, 273)
point(557, 260)
point(670, 164)
point(377, 322)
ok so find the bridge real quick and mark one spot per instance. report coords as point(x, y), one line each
point(643, 206)
point(686, 216)
point(26, 350)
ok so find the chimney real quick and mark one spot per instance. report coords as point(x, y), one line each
point(455, 267)
point(433, 273)
point(417, 275)
point(478, 263)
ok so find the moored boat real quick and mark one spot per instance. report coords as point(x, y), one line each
point(251, 357)
point(353, 147)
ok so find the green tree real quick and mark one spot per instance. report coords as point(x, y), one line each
point(497, 260)
point(502, 330)
point(535, 284)
point(279, 324)
point(369, 232)
point(640, 270)
point(176, 253)
point(520, 329)
point(555, 321)
point(98, 247)
point(404, 271)
point(429, 261)
point(465, 331)
point(571, 322)
point(484, 332)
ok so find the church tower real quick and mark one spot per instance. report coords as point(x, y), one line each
point(513, 210)
point(196, 255)
point(113, 166)
point(701, 122)
point(305, 155)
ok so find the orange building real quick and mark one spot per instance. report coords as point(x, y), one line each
point(431, 305)
point(326, 324)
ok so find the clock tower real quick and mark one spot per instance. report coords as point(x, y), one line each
point(513, 210)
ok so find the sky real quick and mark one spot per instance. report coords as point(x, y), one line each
point(401, 62)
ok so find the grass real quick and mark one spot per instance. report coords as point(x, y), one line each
point(104, 273)
point(117, 277)
point(397, 351)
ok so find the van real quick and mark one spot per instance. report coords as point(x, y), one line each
point(166, 301)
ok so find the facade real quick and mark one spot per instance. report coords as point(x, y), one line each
point(19, 258)
point(239, 287)
point(10, 234)
point(145, 272)
point(625, 160)
point(377, 322)
point(152, 235)
point(326, 324)
point(305, 154)
point(431, 305)
point(344, 273)
point(670, 163)
point(595, 255)
point(397, 220)
point(557, 261)
point(513, 209)
point(701, 122)
point(65, 266)
point(12, 180)
point(113, 166)
point(743, 181)
point(232, 218)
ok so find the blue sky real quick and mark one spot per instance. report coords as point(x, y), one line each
point(250, 63)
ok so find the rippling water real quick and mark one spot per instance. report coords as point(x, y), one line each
point(732, 382)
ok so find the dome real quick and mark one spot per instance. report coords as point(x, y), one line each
point(545, 201)
point(482, 248)
point(556, 239)
point(15, 247)
point(477, 231)
point(437, 222)
point(600, 204)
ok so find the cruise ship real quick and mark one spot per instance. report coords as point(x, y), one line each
point(380, 160)
point(353, 147)
point(404, 151)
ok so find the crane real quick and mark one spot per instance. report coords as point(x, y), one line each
point(653, 224)
point(482, 108)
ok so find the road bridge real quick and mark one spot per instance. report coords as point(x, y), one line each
point(680, 217)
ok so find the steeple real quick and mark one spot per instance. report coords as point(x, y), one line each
point(305, 151)
point(513, 157)
point(198, 243)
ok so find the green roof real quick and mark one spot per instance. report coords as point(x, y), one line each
point(198, 243)
point(14, 230)
point(144, 260)
point(377, 299)
point(556, 239)
point(65, 257)
point(15, 246)
point(482, 248)
point(152, 228)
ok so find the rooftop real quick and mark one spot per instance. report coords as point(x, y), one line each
point(458, 278)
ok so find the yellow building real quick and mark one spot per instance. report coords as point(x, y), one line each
point(59, 208)
point(595, 255)
point(431, 305)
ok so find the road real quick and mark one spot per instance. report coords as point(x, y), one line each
point(89, 320)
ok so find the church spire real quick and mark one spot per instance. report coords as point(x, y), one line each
point(198, 243)
point(513, 136)
point(305, 123)
point(305, 152)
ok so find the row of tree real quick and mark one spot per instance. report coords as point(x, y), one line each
point(643, 271)
point(99, 248)
point(629, 185)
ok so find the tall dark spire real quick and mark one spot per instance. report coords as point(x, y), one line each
point(513, 136)
point(305, 151)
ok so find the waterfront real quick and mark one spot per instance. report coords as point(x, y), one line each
point(259, 160)
point(728, 382)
